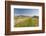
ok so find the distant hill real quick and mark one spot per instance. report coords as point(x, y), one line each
point(27, 16)
point(23, 16)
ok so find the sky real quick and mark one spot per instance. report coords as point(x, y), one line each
point(26, 12)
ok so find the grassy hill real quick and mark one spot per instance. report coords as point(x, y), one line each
point(25, 21)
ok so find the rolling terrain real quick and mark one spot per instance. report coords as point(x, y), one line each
point(25, 21)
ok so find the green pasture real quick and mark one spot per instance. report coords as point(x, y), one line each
point(27, 22)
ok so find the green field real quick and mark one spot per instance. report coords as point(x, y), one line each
point(25, 22)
